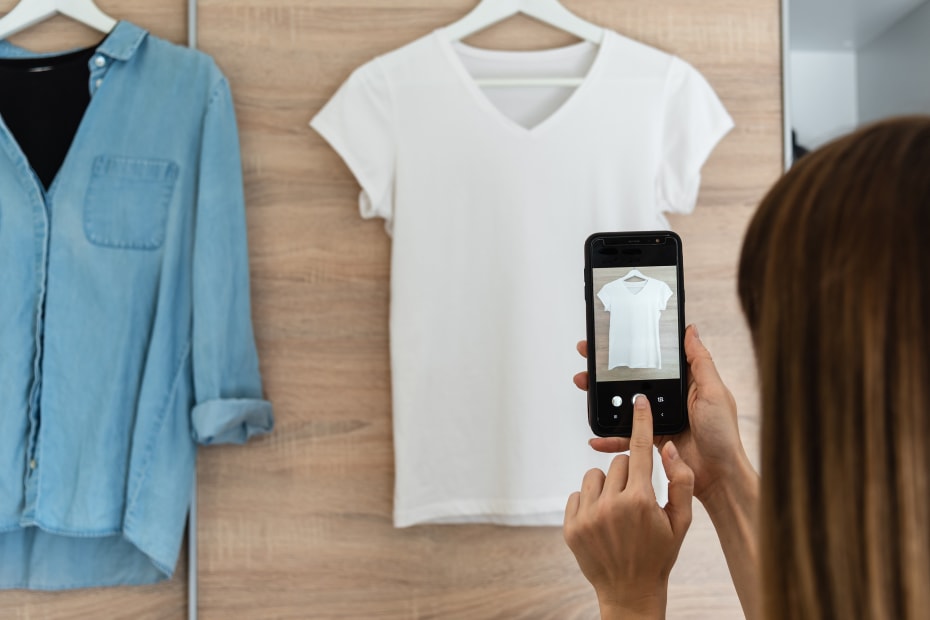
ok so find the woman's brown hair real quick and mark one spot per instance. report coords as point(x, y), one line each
point(834, 281)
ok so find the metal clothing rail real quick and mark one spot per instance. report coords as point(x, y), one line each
point(192, 546)
point(192, 516)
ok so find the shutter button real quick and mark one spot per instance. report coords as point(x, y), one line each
point(100, 61)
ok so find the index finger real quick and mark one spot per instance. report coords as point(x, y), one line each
point(641, 443)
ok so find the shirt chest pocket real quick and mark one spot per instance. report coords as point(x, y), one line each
point(126, 205)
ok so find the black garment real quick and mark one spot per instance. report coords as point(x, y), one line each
point(42, 102)
point(797, 151)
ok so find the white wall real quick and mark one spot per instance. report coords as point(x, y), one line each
point(894, 69)
point(823, 95)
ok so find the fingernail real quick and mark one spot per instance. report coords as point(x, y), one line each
point(672, 451)
point(696, 333)
point(639, 404)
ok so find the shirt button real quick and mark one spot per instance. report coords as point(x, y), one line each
point(32, 464)
point(100, 61)
point(98, 82)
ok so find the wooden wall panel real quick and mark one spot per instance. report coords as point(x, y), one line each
point(298, 524)
point(165, 19)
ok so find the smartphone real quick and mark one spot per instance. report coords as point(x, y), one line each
point(635, 299)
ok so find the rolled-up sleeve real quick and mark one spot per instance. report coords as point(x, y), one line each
point(231, 420)
point(229, 404)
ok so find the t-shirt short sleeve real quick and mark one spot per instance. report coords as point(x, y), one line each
point(694, 121)
point(665, 293)
point(604, 296)
point(358, 123)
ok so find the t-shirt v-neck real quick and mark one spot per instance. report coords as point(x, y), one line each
point(635, 311)
point(487, 219)
point(635, 287)
point(525, 106)
point(42, 105)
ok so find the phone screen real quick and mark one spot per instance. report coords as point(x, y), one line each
point(635, 305)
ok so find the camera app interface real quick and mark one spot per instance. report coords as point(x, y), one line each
point(636, 329)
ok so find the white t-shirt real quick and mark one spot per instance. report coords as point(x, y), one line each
point(489, 210)
point(635, 308)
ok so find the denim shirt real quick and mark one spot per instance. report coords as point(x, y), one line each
point(125, 329)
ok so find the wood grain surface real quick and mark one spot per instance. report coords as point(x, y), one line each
point(298, 524)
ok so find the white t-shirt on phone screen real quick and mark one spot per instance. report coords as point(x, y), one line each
point(489, 194)
point(635, 309)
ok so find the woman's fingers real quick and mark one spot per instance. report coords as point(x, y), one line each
point(581, 380)
point(610, 444)
point(617, 474)
point(571, 506)
point(591, 487)
point(703, 369)
point(641, 445)
point(680, 489)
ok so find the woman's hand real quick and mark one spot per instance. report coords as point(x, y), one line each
point(711, 444)
point(724, 479)
point(624, 542)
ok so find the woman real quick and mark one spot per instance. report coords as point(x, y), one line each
point(834, 281)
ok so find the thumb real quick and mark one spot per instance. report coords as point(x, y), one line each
point(702, 367)
point(680, 489)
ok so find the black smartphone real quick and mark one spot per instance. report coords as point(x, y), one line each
point(635, 298)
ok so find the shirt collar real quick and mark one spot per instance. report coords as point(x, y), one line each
point(123, 41)
point(120, 44)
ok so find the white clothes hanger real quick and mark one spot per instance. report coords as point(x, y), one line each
point(30, 12)
point(634, 273)
point(551, 12)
